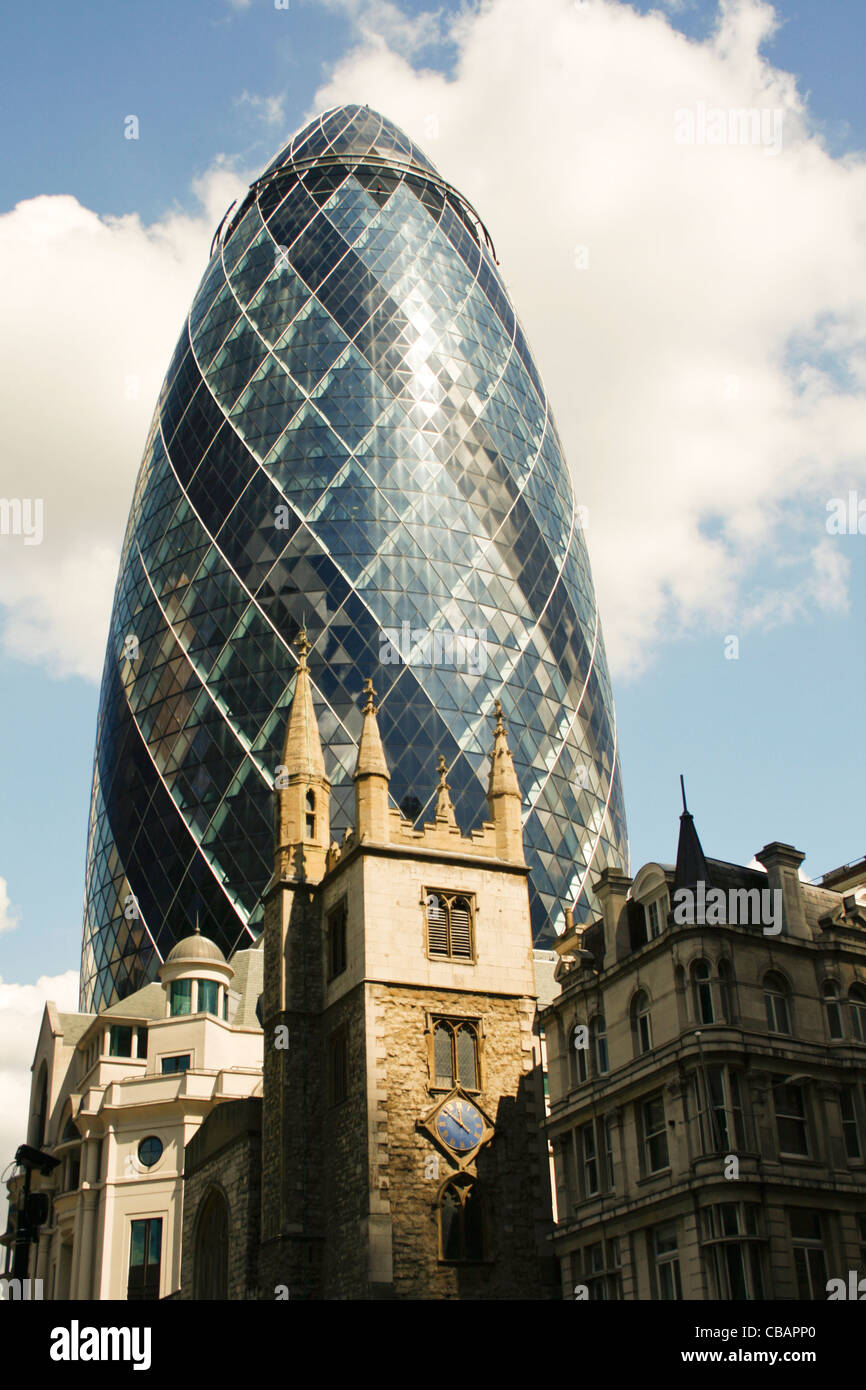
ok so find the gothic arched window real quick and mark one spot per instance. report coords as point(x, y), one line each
point(461, 1222)
point(310, 822)
point(211, 1255)
point(455, 1053)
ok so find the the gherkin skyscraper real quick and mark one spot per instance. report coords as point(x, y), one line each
point(352, 432)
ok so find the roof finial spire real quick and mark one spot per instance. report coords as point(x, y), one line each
point(683, 790)
point(370, 706)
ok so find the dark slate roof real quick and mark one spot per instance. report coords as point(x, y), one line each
point(691, 865)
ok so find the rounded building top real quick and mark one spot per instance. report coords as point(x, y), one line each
point(352, 131)
point(195, 947)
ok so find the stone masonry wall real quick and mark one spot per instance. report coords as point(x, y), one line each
point(511, 1170)
point(233, 1165)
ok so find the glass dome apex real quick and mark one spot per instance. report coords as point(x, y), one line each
point(355, 132)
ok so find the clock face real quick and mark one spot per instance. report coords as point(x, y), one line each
point(459, 1125)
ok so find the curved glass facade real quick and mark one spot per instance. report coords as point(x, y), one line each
point(352, 432)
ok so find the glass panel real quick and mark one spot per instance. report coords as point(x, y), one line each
point(154, 1242)
point(466, 1064)
point(121, 1041)
point(137, 1246)
point(181, 997)
point(208, 993)
point(442, 1055)
point(175, 1064)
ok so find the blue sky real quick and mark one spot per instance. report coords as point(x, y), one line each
point(770, 743)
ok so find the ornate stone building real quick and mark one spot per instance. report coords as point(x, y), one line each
point(115, 1099)
point(707, 1075)
point(401, 1146)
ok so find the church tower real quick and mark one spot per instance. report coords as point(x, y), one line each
point(403, 1096)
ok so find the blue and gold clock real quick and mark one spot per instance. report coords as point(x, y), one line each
point(460, 1124)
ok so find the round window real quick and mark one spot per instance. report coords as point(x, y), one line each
point(150, 1151)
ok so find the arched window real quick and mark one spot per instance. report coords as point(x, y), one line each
point(704, 1011)
point(40, 1115)
point(461, 1222)
point(449, 926)
point(641, 1022)
point(455, 1053)
point(210, 1263)
point(857, 1006)
point(310, 823)
point(776, 1003)
point(725, 998)
point(598, 1034)
point(832, 1010)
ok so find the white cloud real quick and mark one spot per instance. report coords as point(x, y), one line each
point(92, 309)
point(8, 915)
point(21, 1008)
point(268, 109)
point(383, 24)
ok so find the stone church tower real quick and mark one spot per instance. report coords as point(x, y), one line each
point(401, 1147)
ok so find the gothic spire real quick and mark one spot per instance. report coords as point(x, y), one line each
point(302, 750)
point(371, 755)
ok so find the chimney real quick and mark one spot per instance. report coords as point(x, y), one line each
point(782, 862)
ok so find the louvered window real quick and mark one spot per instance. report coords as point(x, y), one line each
point(437, 925)
point(449, 926)
point(461, 928)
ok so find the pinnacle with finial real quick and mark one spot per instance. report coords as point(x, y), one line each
point(444, 807)
point(503, 778)
point(371, 755)
point(302, 748)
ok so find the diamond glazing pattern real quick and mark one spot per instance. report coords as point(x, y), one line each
point(352, 432)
